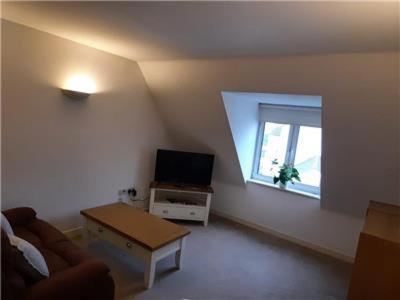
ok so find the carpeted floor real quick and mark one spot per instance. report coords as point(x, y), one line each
point(229, 261)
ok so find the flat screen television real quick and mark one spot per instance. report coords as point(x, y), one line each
point(183, 168)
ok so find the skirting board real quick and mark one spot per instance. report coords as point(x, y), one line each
point(74, 232)
point(289, 238)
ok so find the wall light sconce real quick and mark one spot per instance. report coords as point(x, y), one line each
point(79, 87)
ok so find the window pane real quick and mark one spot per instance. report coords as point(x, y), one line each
point(274, 145)
point(308, 155)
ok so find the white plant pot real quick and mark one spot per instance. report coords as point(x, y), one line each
point(282, 186)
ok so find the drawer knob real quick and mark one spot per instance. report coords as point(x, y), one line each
point(129, 245)
point(192, 213)
point(100, 229)
point(165, 211)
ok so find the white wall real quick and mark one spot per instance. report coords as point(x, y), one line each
point(360, 137)
point(296, 217)
point(242, 113)
point(61, 155)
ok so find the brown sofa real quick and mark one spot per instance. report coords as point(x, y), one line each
point(74, 275)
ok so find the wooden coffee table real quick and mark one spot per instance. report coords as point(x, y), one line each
point(139, 233)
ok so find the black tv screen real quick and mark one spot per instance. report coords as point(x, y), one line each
point(181, 168)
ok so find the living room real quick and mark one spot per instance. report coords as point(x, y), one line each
point(92, 92)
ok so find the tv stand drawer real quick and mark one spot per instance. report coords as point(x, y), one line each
point(191, 204)
point(169, 211)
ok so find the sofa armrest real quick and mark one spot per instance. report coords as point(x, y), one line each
point(20, 215)
point(79, 282)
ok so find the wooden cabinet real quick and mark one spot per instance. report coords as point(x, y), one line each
point(180, 202)
point(376, 270)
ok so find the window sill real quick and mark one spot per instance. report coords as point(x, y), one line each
point(288, 190)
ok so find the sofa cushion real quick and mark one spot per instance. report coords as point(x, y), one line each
point(39, 232)
point(14, 280)
point(16, 271)
point(86, 281)
point(58, 252)
point(55, 262)
point(19, 216)
point(12, 284)
point(21, 266)
point(30, 253)
point(71, 253)
point(5, 225)
point(72, 274)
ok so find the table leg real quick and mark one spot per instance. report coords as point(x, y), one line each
point(208, 204)
point(150, 270)
point(178, 253)
point(85, 234)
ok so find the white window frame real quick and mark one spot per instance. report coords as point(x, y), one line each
point(289, 158)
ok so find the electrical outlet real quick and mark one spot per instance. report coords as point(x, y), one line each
point(132, 192)
point(126, 194)
point(122, 195)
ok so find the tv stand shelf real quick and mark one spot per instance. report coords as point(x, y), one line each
point(180, 202)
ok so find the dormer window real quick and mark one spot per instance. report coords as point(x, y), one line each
point(290, 135)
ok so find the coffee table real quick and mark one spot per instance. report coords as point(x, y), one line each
point(139, 233)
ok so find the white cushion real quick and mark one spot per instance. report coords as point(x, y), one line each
point(32, 255)
point(6, 225)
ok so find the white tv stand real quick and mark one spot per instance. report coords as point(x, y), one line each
point(180, 202)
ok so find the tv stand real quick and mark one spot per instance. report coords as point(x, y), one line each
point(185, 202)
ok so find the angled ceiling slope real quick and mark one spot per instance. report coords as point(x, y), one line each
point(178, 30)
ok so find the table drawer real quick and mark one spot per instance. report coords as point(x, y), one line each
point(165, 211)
point(114, 238)
point(95, 228)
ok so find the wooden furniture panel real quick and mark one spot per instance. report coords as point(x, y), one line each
point(147, 230)
point(106, 234)
point(140, 234)
point(167, 211)
point(193, 189)
point(376, 270)
point(186, 210)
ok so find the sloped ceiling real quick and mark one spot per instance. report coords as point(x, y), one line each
point(176, 30)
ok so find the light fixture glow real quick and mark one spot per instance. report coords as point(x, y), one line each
point(81, 83)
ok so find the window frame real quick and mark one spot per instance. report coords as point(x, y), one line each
point(289, 157)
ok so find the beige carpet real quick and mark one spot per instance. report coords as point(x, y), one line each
point(228, 261)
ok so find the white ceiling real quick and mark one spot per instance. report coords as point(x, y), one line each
point(176, 30)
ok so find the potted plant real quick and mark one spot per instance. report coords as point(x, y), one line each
point(285, 174)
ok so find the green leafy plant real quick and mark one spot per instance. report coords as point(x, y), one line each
point(286, 173)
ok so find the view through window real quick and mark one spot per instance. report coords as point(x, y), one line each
point(291, 144)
